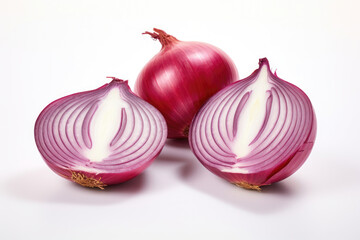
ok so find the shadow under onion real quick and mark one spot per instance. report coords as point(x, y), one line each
point(40, 186)
point(273, 198)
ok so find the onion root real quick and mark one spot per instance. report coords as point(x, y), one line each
point(85, 181)
point(248, 186)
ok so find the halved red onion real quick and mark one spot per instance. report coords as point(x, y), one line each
point(100, 137)
point(256, 131)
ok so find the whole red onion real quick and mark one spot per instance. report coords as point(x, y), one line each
point(256, 131)
point(181, 78)
point(100, 137)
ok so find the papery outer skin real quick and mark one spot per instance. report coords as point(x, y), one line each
point(285, 166)
point(181, 78)
point(110, 171)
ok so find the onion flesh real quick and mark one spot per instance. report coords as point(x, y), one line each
point(100, 137)
point(256, 131)
point(181, 78)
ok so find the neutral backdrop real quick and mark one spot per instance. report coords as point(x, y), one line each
point(49, 49)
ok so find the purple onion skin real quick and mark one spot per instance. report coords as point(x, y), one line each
point(66, 158)
point(181, 78)
point(285, 166)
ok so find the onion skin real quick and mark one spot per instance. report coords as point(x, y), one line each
point(282, 144)
point(181, 78)
point(65, 135)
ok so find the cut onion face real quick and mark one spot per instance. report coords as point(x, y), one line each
point(256, 131)
point(100, 137)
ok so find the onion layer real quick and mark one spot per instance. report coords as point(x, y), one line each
point(181, 78)
point(256, 131)
point(100, 137)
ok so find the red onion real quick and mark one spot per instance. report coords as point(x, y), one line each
point(100, 137)
point(256, 131)
point(181, 78)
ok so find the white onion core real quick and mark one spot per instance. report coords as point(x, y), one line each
point(252, 115)
point(104, 125)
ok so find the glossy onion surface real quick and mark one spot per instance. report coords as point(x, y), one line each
point(100, 137)
point(181, 78)
point(256, 131)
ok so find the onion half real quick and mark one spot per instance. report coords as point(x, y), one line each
point(181, 78)
point(100, 137)
point(256, 131)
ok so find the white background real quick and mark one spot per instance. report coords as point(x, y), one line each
point(49, 49)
